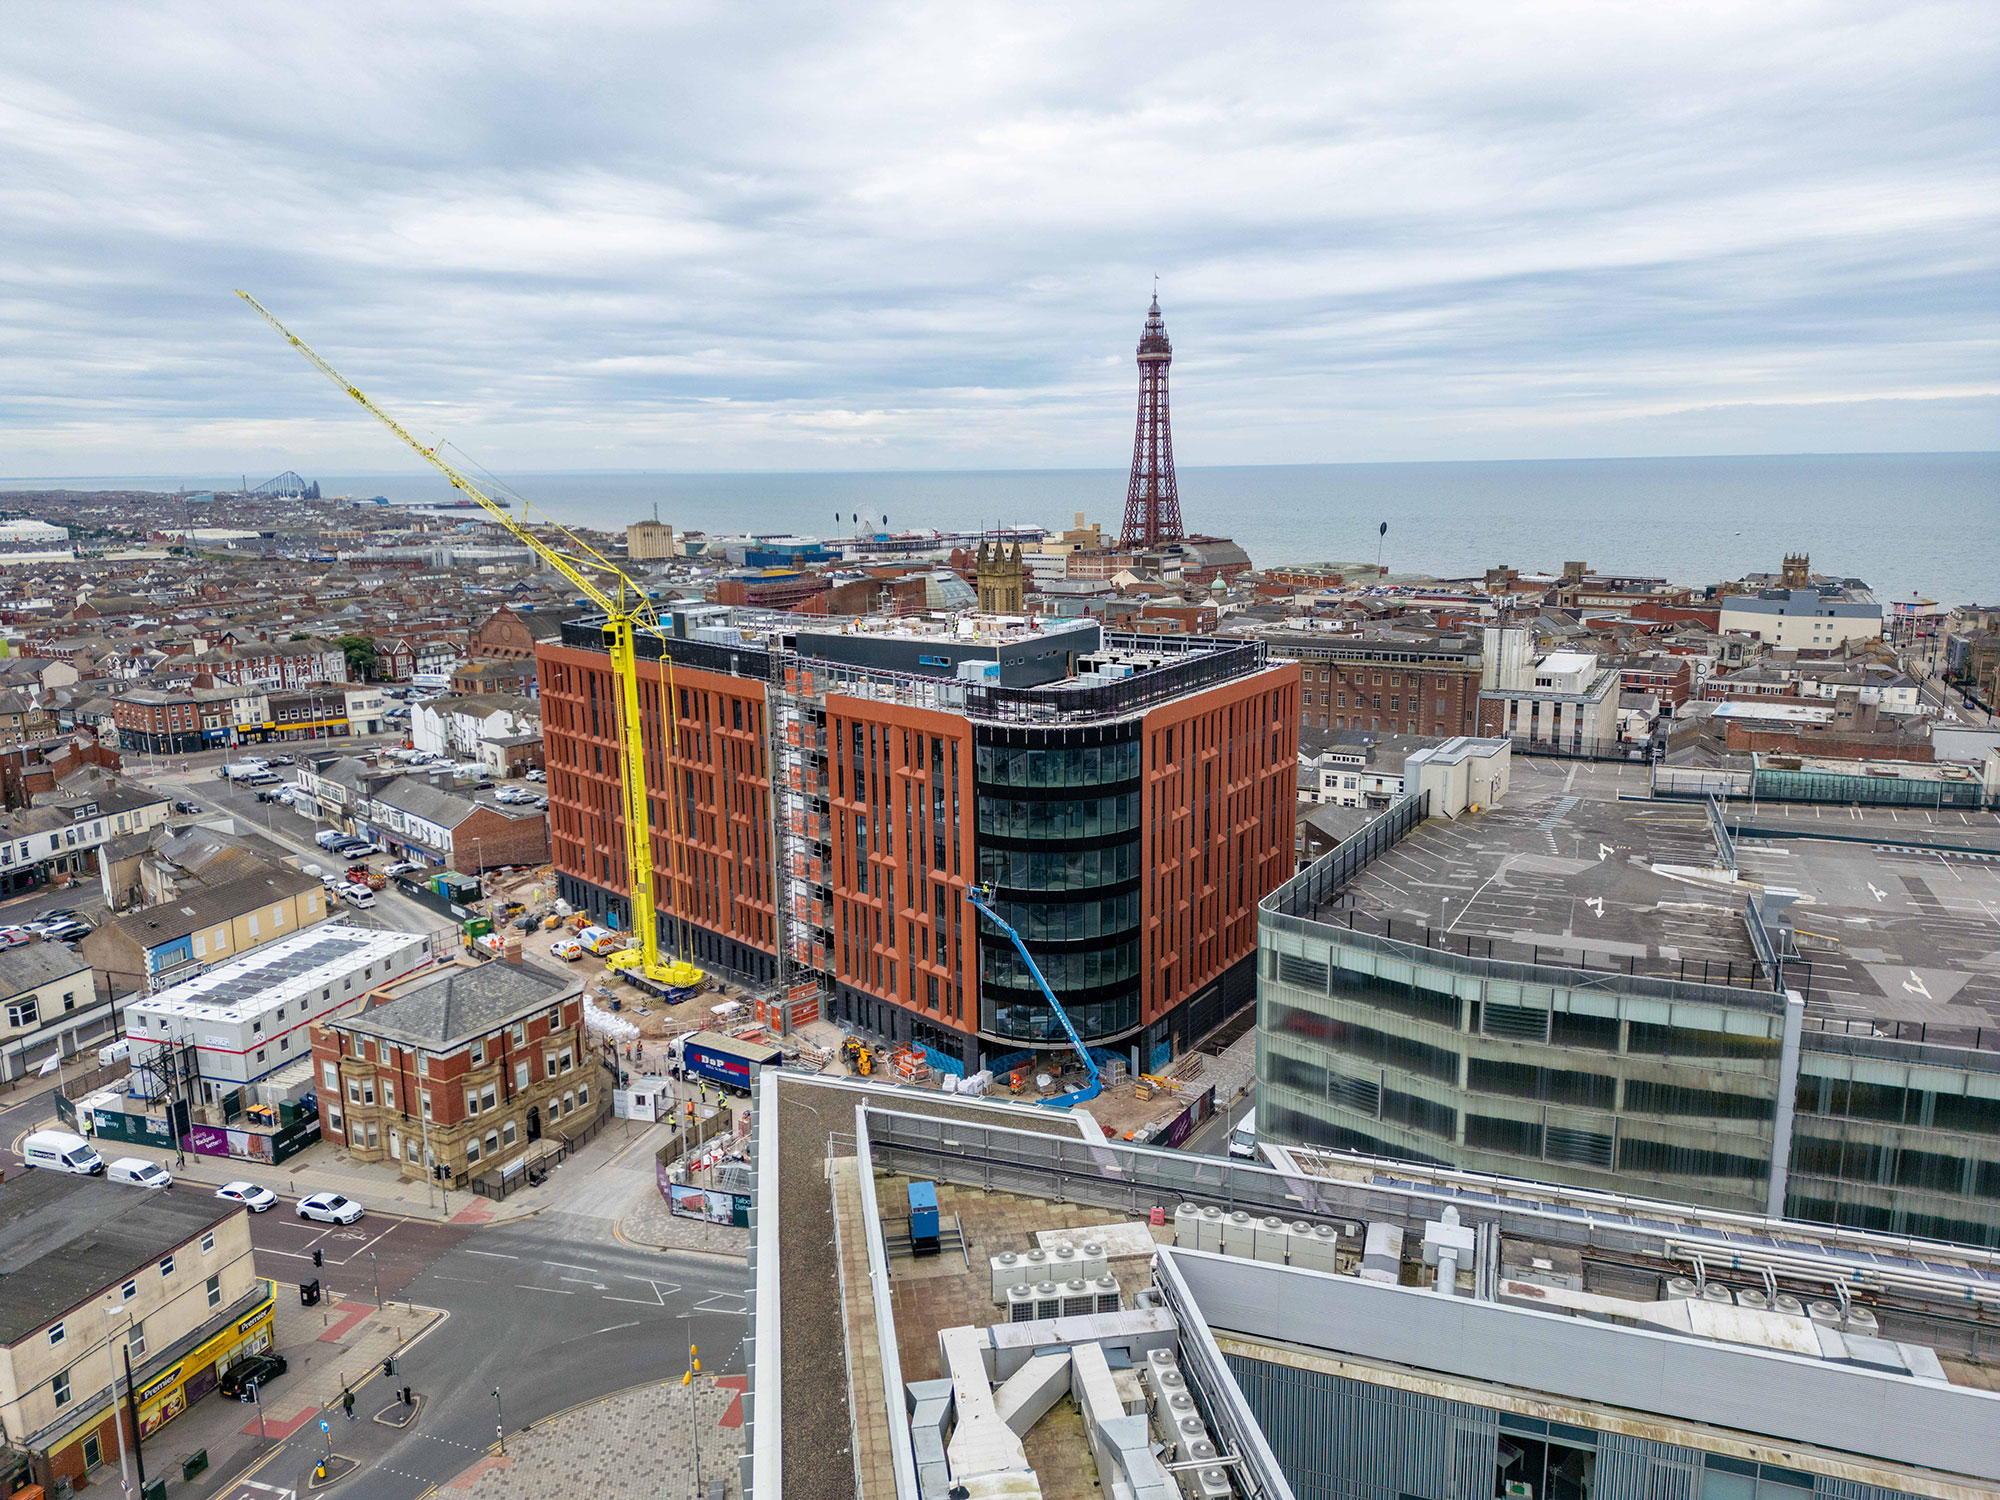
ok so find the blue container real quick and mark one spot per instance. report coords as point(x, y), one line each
point(923, 1218)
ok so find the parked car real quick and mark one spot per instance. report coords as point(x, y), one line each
point(326, 838)
point(139, 1172)
point(356, 894)
point(66, 932)
point(329, 1208)
point(258, 1370)
point(12, 936)
point(257, 1199)
point(402, 867)
point(280, 760)
point(538, 774)
point(569, 950)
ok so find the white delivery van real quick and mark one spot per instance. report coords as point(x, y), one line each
point(117, 1052)
point(1243, 1139)
point(61, 1151)
point(139, 1173)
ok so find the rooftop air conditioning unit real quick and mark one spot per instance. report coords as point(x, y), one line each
point(1268, 1239)
point(1006, 1269)
point(1239, 1235)
point(1021, 1303)
point(1048, 1300)
point(1186, 1219)
point(1105, 1292)
point(1208, 1230)
point(1078, 1300)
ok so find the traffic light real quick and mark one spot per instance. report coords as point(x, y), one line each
point(389, 1368)
point(318, 1259)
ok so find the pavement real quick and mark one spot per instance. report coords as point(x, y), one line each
point(639, 1444)
point(335, 1347)
point(597, 1180)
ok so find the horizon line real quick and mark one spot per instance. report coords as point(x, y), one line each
point(1434, 463)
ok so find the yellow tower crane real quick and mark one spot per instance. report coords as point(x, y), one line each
point(627, 611)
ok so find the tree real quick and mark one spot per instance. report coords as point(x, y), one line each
point(360, 653)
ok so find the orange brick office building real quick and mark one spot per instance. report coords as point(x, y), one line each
point(1129, 801)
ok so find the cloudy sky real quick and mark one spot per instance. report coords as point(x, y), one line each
point(726, 236)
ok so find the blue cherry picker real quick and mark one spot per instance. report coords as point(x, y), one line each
point(981, 897)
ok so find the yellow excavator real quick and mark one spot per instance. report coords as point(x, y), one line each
point(627, 611)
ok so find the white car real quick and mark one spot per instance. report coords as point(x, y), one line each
point(257, 1199)
point(329, 1208)
point(401, 867)
point(538, 775)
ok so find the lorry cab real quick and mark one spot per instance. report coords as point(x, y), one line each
point(61, 1151)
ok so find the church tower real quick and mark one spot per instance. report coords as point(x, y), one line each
point(1002, 579)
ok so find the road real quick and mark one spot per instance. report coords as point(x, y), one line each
point(550, 1311)
point(293, 834)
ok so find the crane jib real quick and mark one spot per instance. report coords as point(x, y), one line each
point(621, 619)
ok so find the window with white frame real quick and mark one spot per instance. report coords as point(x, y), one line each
point(329, 1075)
point(507, 1132)
point(472, 1101)
point(207, 1241)
point(56, 1334)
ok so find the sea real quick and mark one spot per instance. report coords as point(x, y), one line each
point(1905, 523)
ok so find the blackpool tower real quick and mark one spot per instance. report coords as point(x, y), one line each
point(1152, 503)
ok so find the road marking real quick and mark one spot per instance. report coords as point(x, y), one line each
point(552, 1290)
point(567, 1266)
point(495, 1254)
point(612, 1329)
point(596, 1286)
point(659, 1298)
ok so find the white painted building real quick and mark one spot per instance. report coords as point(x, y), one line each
point(1801, 619)
point(249, 1017)
point(1565, 699)
point(459, 723)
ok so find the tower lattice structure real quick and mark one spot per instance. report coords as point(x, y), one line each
point(1152, 500)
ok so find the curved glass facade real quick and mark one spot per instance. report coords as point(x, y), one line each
point(1059, 844)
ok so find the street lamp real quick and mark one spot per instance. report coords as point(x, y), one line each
point(500, 1420)
point(119, 1410)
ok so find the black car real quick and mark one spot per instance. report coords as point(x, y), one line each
point(262, 1368)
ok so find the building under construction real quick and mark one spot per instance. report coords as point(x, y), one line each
point(826, 796)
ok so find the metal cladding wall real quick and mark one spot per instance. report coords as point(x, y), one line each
point(1790, 1400)
point(1340, 1439)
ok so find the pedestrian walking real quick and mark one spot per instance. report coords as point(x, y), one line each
point(347, 1404)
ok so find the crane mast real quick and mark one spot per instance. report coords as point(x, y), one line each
point(625, 613)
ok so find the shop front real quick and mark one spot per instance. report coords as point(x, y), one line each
point(169, 1393)
point(161, 1396)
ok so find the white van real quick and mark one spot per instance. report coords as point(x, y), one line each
point(61, 1151)
point(139, 1173)
point(355, 894)
point(1243, 1139)
point(118, 1052)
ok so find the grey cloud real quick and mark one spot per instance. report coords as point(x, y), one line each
point(923, 236)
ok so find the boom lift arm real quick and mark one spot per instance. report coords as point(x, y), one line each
point(981, 897)
point(625, 613)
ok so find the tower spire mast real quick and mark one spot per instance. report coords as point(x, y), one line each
point(1152, 499)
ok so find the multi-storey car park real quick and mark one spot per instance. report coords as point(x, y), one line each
point(1793, 1015)
point(827, 795)
point(1111, 1320)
